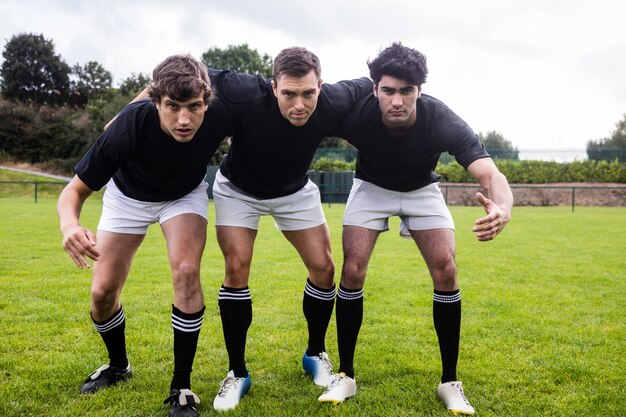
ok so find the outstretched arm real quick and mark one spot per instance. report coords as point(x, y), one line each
point(500, 202)
point(79, 242)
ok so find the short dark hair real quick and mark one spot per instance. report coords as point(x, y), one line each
point(296, 62)
point(180, 77)
point(400, 62)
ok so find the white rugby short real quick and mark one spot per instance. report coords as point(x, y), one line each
point(370, 206)
point(297, 211)
point(122, 214)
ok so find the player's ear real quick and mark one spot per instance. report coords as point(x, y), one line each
point(375, 91)
point(274, 88)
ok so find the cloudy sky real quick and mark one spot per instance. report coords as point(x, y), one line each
point(544, 73)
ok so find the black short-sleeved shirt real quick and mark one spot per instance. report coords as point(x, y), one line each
point(407, 162)
point(269, 157)
point(146, 163)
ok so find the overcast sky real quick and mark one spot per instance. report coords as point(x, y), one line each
point(543, 73)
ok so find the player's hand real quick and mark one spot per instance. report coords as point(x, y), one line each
point(488, 227)
point(80, 243)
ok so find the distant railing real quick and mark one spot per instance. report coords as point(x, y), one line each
point(335, 188)
point(36, 185)
point(544, 194)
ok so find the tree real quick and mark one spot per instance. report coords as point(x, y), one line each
point(239, 58)
point(497, 146)
point(92, 82)
point(611, 148)
point(132, 85)
point(32, 72)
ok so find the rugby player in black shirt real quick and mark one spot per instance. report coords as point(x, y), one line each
point(400, 133)
point(279, 125)
point(153, 160)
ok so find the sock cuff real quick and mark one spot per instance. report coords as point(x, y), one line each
point(116, 320)
point(234, 294)
point(446, 297)
point(187, 322)
point(312, 290)
point(345, 294)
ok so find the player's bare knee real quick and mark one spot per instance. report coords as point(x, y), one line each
point(236, 274)
point(185, 271)
point(444, 277)
point(103, 301)
point(353, 275)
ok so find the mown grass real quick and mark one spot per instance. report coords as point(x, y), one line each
point(543, 322)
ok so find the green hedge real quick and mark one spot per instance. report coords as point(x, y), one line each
point(542, 172)
point(517, 172)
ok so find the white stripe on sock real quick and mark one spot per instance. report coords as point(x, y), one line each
point(349, 295)
point(447, 298)
point(326, 295)
point(112, 323)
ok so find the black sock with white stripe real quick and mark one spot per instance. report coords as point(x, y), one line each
point(113, 335)
point(349, 317)
point(447, 319)
point(186, 332)
point(317, 305)
point(236, 313)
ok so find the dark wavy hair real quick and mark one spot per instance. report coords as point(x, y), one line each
point(400, 62)
point(296, 62)
point(180, 77)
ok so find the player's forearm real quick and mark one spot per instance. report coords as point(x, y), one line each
point(499, 191)
point(69, 207)
point(70, 203)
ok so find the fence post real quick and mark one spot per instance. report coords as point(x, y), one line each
point(36, 190)
point(573, 198)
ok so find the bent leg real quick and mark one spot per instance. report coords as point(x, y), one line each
point(185, 235)
point(109, 275)
point(235, 301)
point(438, 248)
point(313, 246)
point(358, 244)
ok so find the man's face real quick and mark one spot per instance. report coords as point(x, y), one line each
point(181, 119)
point(297, 96)
point(397, 100)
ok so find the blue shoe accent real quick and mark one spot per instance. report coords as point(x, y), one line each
point(319, 367)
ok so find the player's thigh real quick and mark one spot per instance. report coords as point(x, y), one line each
point(236, 244)
point(358, 245)
point(116, 255)
point(437, 246)
point(313, 245)
point(185, 236)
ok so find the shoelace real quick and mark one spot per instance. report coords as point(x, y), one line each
point(325, 360)
point(338, 380)
point(228, 384)
point(459, 387)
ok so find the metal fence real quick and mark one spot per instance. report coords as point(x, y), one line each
point(335, 188)
point(37, 185)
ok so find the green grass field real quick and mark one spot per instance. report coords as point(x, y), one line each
point(543, 322)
